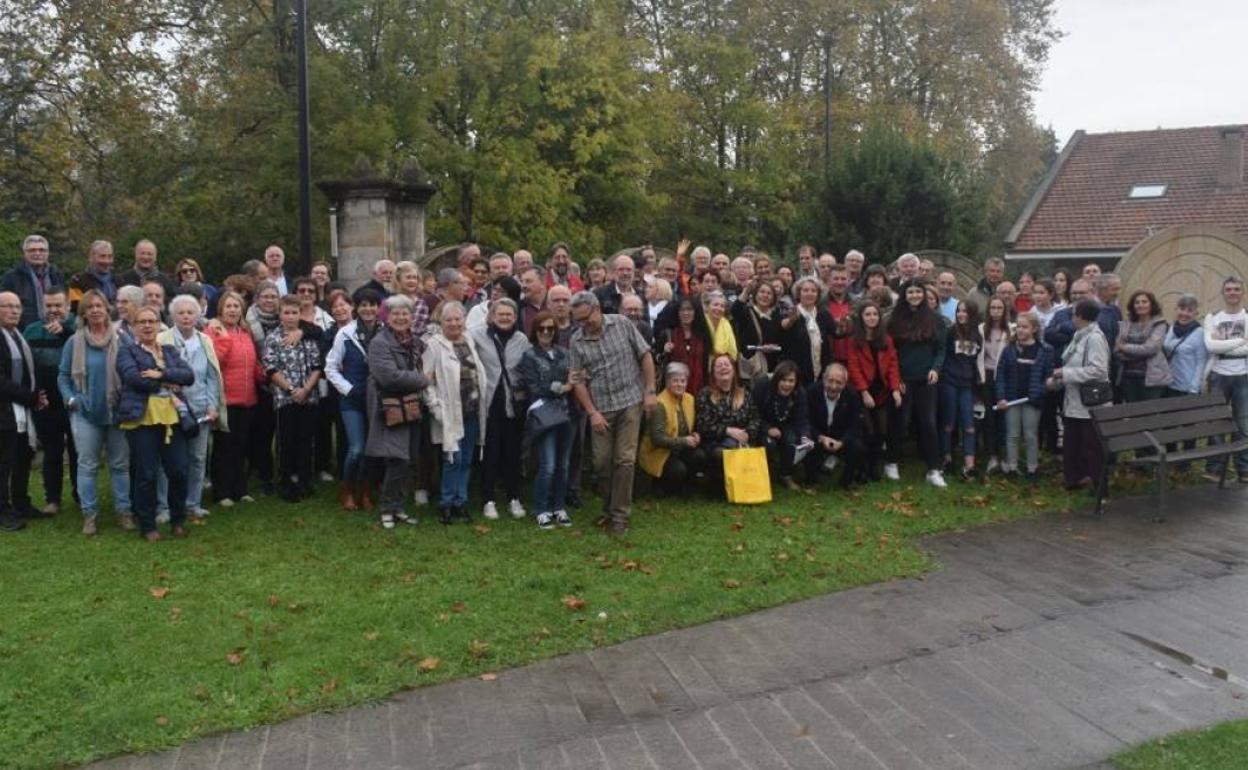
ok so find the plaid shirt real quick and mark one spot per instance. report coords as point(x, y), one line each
point(613, 358)
point(295, 362)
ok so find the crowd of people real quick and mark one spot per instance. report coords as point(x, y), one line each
point(418, 383)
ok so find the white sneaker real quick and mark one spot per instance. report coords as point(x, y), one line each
point(247, 499)
point(387, 521)
point(936, 479)
point(200, 512)
point(516, 509)
point(545, 521)
point(422, 497)
point(994, 464)
point(162, 517)
point(490, 511)
point(226, 503)
point(326, 476)
point(891, 473)
point(562, 518)
point(829, 464)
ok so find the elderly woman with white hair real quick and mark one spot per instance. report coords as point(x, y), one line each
point(501, 345)
point(807, 330)
point(129, 300)
point(205, 397)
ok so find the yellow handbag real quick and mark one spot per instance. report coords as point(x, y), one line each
point(746, 479)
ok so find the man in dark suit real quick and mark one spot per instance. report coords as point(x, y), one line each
point(31, 279)
point(632, 308)
point(835, 412)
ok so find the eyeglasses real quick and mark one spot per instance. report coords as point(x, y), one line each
point(147, 321)
point(189, 270)
point(305, 290)
point(546, 330)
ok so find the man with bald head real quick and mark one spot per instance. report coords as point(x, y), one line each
point(609, 296)
point(145, 269)
point(19, 398)
point(634, 309)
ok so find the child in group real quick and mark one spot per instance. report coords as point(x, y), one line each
point(1022, 370)
point(294, 371)
point(960, 379)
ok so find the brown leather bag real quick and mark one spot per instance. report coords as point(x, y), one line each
point(400, 410)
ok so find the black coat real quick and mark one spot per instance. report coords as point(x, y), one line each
point(796, 343)
point(10, 392)
point(845, 420)
point(19, 281)
point(131, 277)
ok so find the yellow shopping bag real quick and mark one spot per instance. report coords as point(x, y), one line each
point(746, 479)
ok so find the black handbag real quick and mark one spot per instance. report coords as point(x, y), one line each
point(1095, 392)
point(188, 422)
point(549, 413)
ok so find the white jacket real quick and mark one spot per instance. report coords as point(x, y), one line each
point(441, 366)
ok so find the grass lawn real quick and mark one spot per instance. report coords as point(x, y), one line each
point(1224, 747)
point(269, 610)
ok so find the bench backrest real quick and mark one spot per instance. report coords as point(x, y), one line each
point(1121, 426)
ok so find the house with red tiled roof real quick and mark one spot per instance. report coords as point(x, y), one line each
point(1107, 192)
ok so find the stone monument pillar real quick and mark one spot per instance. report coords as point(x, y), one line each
point(376, 218)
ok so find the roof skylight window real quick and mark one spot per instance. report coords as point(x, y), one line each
point(1147, 191)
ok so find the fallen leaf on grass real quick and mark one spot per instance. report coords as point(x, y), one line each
point(428, 664)
point(162, 720)
point(479, 649)
point(236, 657)
point(329, 686)
point(300, 522)
point(736, 526)
point(175, 613)
point(371, 636)
point(574, 603)
point(480, 529)
point(488, 677)
point(458, 607)
point(730, 583)
point(158, 592)
point(273, 600)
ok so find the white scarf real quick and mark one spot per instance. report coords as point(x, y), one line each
point(21, 415)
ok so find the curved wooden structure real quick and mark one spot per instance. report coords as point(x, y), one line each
point(966, 270)
point(1188, 259)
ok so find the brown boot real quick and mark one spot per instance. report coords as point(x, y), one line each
point(346, 496)
point(366, 496)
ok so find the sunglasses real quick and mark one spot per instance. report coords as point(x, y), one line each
point(546, 330)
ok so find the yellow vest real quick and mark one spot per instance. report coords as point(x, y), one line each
point(652, 458)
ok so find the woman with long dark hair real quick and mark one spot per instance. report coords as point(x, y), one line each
point(996, 331)
point(961, 377)
point(876, 376)
point(727, 417)
point(688, 342)
point(920, 339)
point(757, 329)
point(785, 422)
point(1145, 372)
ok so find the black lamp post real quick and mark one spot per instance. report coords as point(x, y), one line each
point(305, 146)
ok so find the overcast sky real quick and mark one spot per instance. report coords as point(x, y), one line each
point(1139, 64)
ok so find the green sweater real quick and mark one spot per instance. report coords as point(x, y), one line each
point(46, 348)
point(916, 359)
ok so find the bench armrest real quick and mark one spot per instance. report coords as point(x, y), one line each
point(1157, 446)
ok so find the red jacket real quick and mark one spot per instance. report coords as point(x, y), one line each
point(840, 345)
point(574, 284)
point(863, 361)
point(240, 369)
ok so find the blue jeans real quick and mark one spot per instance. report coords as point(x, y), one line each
point(554, 447)
point(93, 441)
point(356, 426)
point(197, 466)
point(457, 467)
point(1235, 390)
point(957, 409)
point(150, 453)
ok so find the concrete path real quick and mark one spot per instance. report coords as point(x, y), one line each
point(1040, 644)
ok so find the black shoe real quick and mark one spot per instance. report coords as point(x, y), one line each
point(445, 515)
point(266, 488)
point(10, 523)
point(289, 494)
point(30, 512)
point(573, 500)
point(460, 513)
point(968, 474)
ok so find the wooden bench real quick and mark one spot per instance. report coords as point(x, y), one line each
point(1154, 425)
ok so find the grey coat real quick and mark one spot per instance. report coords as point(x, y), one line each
point(1157, 373)
point(1086, 360)
point(391, 372)
point(492, 374)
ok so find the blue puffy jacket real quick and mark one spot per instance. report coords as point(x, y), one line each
point(132, 361)
point(1016, 379)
